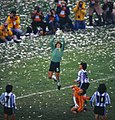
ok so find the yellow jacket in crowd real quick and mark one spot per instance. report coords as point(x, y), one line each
point(80, 10)
point(13, 22)
point(5, 31)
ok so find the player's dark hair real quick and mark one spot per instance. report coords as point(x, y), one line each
point(9, 88)
point(102, 88)
point(58, 42)
point(84, 65)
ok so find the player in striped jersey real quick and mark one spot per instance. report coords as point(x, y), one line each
point(82, 79)
point(7, 99)
point(101, 99)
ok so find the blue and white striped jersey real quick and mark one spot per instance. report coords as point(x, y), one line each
point(8, 100)
point(100, 100)
point(82, 77)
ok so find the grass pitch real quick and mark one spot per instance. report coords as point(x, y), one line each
point(25, 66)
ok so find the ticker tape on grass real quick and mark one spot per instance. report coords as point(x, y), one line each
point(63, 88)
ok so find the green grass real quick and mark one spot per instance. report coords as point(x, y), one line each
point(28, 74)
point(25, 66)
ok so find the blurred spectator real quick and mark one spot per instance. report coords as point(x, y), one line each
point(80, 12)
point(64, 20)
point(107, 12)
point(60, 1)
point(5, 33)
point(94, 6)
point(113, 12)
point(13, 21)
point(52, 20)
point(37, 20)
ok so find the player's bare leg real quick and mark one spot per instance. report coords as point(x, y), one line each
point(50, 73)
point(5, 117)
point(13, 117)
point(96, 117)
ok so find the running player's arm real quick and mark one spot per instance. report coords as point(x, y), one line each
point(14, 101)
point(75, 103)
point(78, 77)
point(108, 101)
point(92, 99)
point(1, 99)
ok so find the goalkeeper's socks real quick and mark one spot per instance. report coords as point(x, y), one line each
point(54, 78)
point(58, 84)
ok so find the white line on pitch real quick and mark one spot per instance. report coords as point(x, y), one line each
point(32, 94)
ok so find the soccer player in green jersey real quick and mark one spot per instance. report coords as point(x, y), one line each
point(57, 53)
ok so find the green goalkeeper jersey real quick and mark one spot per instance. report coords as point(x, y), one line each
point(57, 53)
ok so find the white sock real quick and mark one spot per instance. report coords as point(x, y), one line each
point(54, 77)
point(58, 82)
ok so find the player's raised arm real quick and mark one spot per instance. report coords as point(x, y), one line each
point(63, 42)
point(52, 43)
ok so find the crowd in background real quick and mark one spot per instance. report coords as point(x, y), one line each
point(59, 18)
